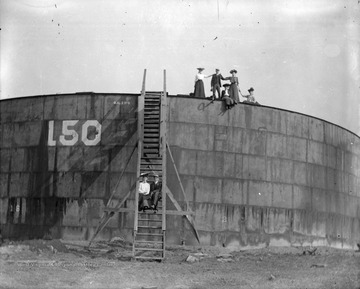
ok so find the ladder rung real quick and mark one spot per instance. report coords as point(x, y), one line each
point(149, 139)
point(151, 155)
point(151, 145)
point(152, 100)
point(151, 134)
point(151, 164)
point(148, 249)
point(150, 95)
point(148, 115)
point(150, 121)
point(152, 125)
point(149, 234)
point(151, 128)
point(150, 212)
point(149, 220)
point(149, 227)
point(151, 161)
point(150, 242)
point(152, 105)
point(155, 110)
point(151, 151)
point(152, 158)
point(152, 110)
point(149, 258)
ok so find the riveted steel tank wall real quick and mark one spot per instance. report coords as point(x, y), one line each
point(258, 176)
point(60, 158)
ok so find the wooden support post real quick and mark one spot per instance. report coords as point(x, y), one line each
point(122, 173)
point(178, 177)
point(188, 217)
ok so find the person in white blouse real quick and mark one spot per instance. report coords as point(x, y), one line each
point(199, 90)
point(144, 193)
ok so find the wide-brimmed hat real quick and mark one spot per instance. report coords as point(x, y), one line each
point(250, 89)
point(144, 175)
point(233, 70)
point(226, 85)
point(200, 68)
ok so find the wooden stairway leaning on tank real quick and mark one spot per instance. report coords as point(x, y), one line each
point(150, 227)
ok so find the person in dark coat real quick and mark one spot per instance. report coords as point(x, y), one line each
point(225, 96)
point(155, 191)
point(234, 86)
point(216, 83)
point(199, 90)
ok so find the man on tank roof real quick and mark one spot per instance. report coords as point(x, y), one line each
point(216, 83)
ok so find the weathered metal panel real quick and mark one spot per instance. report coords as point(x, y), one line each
point(254, 176)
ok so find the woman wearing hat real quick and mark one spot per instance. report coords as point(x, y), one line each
point(199, 84)
point(250, 97)
point(234, 86)
point(144, 192)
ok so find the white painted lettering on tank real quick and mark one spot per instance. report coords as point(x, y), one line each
point(70, 133)
point(84, 133)
point(66, 131)
point(51, 141)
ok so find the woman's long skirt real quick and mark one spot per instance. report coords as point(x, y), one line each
point(199, 89)
point(234, 92)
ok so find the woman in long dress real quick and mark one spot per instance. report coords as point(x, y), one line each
point(234, 86)
point(199, 90)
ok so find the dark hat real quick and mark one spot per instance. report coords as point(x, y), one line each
point(234, 70)
point(250, 89)
point(200, 68)
point(226, 85)
point(217, 69)
point(144, 174)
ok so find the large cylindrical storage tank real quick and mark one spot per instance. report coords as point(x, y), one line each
point(61, 157)
point(254, 175)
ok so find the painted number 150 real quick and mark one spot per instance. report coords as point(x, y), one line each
point(70, 136)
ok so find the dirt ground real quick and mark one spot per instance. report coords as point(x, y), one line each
point(64, 264)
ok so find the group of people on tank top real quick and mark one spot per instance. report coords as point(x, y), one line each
point(230, 94)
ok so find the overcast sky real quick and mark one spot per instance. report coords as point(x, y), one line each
point(298, 55)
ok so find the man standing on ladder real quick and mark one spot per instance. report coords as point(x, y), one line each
point(155, 191)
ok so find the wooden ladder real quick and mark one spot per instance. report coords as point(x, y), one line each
point(150, 226)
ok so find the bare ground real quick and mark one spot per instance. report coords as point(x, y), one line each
point(60, 264)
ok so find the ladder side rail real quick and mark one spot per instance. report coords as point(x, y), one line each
point(163, 132)
point(163, 116)
point(140, 147)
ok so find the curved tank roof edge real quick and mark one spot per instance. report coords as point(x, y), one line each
point(179, 96)
point(277, 108)
point(66, 94)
